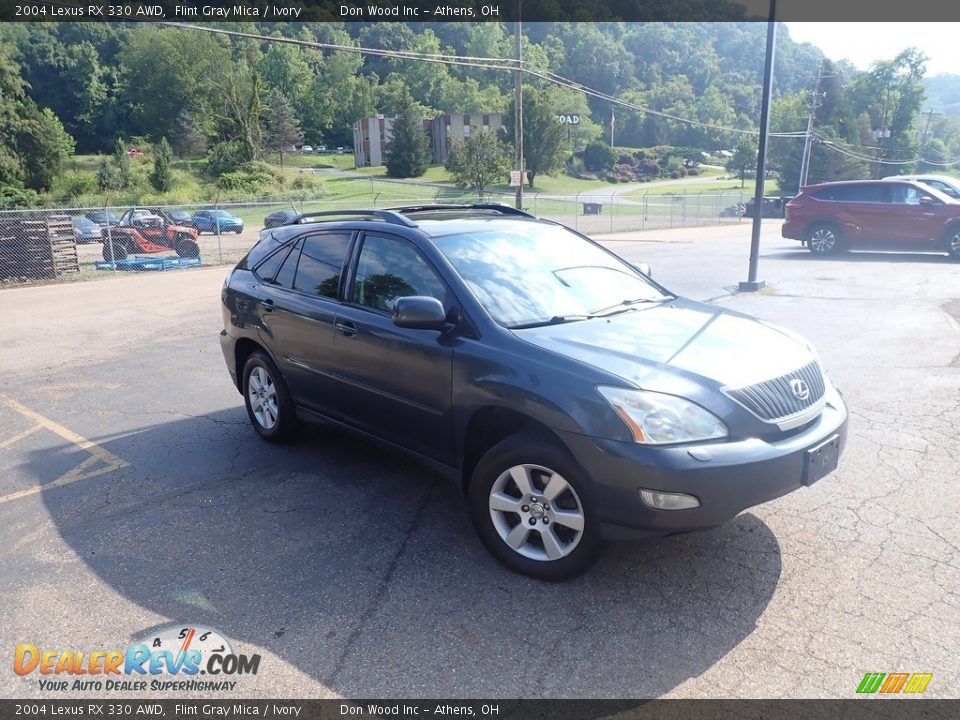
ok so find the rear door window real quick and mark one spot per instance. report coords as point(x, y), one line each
point(320, 267)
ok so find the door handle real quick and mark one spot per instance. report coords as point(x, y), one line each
point(268, 305)
point(346, 328)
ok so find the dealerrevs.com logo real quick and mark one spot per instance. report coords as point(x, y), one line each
point(199, 658)
point(894, 683)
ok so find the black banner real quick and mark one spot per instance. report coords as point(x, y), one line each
point(413, 11)
point(853, 709)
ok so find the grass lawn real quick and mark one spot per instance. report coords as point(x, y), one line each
point(694, 185)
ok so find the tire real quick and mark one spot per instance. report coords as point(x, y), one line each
point(823, 239)
point(186, 247)
point(119, 250)
point(238, 230)
point(952, 241)
point(508, 491)
point(268, 401)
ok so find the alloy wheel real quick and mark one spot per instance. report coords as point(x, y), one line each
point(823, 240)
point(953, 244)
point(263, 398)
point(536, 512)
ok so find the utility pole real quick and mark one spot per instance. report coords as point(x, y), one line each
point(518, 106)
point(807, 145)
point(752, 284)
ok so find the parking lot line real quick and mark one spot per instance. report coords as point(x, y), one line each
point(83, 471)
point(20, 436)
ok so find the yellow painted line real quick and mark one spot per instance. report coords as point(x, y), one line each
point(81, 472)
point(20, 436)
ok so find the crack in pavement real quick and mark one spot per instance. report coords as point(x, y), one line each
point(381, 589)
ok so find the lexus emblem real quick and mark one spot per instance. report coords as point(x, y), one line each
point(799, 389)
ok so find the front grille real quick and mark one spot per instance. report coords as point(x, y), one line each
point(775, 400)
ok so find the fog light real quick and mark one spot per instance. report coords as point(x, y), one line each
point(668, 501)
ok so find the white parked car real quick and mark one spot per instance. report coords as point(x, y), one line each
point(944, 183)
point(306, 149)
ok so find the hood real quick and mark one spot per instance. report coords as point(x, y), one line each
point(732, 349)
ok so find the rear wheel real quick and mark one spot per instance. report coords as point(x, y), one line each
point(268, 401)
point(186, 247)
point(823, 239)
point(532, 509)
point(952, 241)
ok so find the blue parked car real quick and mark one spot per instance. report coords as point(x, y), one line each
point(213, 221)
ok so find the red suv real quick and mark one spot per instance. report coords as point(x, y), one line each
point(876, 213)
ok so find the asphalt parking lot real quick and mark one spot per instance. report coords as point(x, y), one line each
point(355, 573)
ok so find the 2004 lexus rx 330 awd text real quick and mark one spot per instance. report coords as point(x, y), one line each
point(570, 397)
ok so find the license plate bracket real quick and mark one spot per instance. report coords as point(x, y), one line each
point(821, 460)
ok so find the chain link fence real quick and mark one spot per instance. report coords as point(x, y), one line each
point(63, 244)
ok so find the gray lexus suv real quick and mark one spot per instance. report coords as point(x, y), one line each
point(569, 396)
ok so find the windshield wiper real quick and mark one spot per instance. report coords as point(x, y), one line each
point(555, 320)
point(625, 305)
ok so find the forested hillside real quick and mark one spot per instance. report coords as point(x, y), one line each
point(66, 87)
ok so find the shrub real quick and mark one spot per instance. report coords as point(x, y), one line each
point(649, 168)
point(75, 183)
point(599, 156)
point(305, 182)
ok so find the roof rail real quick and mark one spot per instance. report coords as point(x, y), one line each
point(502, 209)
point(390, 216)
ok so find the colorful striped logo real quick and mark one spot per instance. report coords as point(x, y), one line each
point(894, 683)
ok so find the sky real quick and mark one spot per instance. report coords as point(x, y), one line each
point(864, 43)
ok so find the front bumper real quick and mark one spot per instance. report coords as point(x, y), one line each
point(726, 477)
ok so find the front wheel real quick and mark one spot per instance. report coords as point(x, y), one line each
point(823, 239)
point(952, 242)
point(268, 401)
point(532, 509)
point(118, 251)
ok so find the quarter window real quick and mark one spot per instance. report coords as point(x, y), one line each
point(267, 269)
point(389, 269)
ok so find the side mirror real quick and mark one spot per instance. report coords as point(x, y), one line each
point(419, 313)
point(643, 268)
point(929, 201)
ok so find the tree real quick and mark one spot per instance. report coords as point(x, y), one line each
point(43, 145)
point(122, 164)
point(408, 153)
point(162, 178)
point(479, 161)
point(283, 128)
point(107, 176)
point(544, 139)
point(744, 158)
point(188, 134)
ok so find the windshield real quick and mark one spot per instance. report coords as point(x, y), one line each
point(541, 273)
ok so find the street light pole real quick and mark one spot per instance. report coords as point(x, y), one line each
point(752, 284)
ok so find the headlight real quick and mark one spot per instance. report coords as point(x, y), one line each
point(658, 419)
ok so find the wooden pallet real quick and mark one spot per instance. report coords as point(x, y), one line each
point(37, 249)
